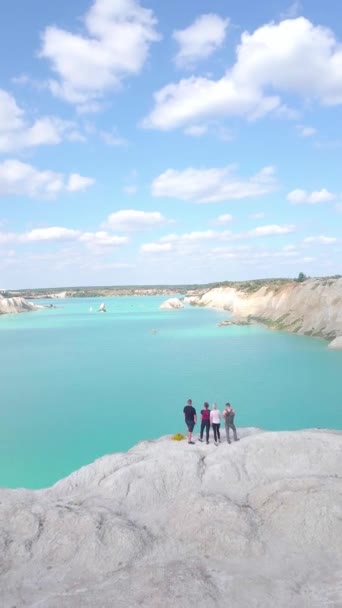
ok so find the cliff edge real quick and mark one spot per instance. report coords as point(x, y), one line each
point(15, 305)
point(313, 307)
point(257, 523)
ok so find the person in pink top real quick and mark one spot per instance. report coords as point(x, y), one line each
point(205, 422)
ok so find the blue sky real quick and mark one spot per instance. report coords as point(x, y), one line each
point(153, 142)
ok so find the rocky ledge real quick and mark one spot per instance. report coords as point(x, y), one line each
point(227, 323)
point(255, 524)
point(16, 305)
point(313, 308)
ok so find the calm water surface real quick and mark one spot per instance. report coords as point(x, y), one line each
point(77, 384)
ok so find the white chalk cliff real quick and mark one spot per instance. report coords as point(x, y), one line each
point(336, 344)
point(15, 305)
point(313, 307)
point(172, 304)
point(255, 524)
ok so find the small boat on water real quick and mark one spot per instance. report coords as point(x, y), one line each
point(102, 308)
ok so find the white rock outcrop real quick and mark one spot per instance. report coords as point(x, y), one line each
point(336, 344)
point(60, 295)
point(255, 524)
point(193, 300)
point(16, 305)
point(313, 307)
point(172, 304)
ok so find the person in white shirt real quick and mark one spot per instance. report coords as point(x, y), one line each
point(215, 419)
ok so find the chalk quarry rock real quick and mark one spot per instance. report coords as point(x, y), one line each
point(16, 305)
point(313, 307)
point(336, 344)
point(172, 303)
point(254, 524)
point(192, 300)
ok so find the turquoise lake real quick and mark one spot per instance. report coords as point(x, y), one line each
point(76, 385)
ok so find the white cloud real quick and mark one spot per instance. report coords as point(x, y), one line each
point(21, 179)
point(53, 233)
point(320, 240)
point(305, 131)
point(77, 182)
point(156, 247)
point(133, 219)
point(249, 253)
point(298, 197)
point(272, 230)
point(197, 235)
point(17, 133)
point(198, 98)
point(293, 57)
point(201, 236)
point(226, 218)
point(102, 239)
point(212, 185)
point(200, 40)
point(116, 43)
point(11, 116)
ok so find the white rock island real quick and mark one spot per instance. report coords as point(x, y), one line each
point(172, 304)
point(16, 305)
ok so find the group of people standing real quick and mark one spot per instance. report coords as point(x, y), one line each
point(210, 418)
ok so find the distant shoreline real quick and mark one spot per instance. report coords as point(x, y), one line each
point(248, 286)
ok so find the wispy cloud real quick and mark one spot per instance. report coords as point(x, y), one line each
point(200, 39)
point(17, 132)
point(299, 197)
point(306, 131)
point(320, 240)
point(128, 220)
point(21, 179)
point(213, 185)
point(199, 237)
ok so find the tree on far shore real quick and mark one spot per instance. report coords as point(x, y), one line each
point(301, 277)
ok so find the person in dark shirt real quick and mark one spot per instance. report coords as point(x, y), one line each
point(205, 422)
point(229, 415)
point(190, 419)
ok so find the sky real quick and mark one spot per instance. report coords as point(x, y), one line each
point(146, 142)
